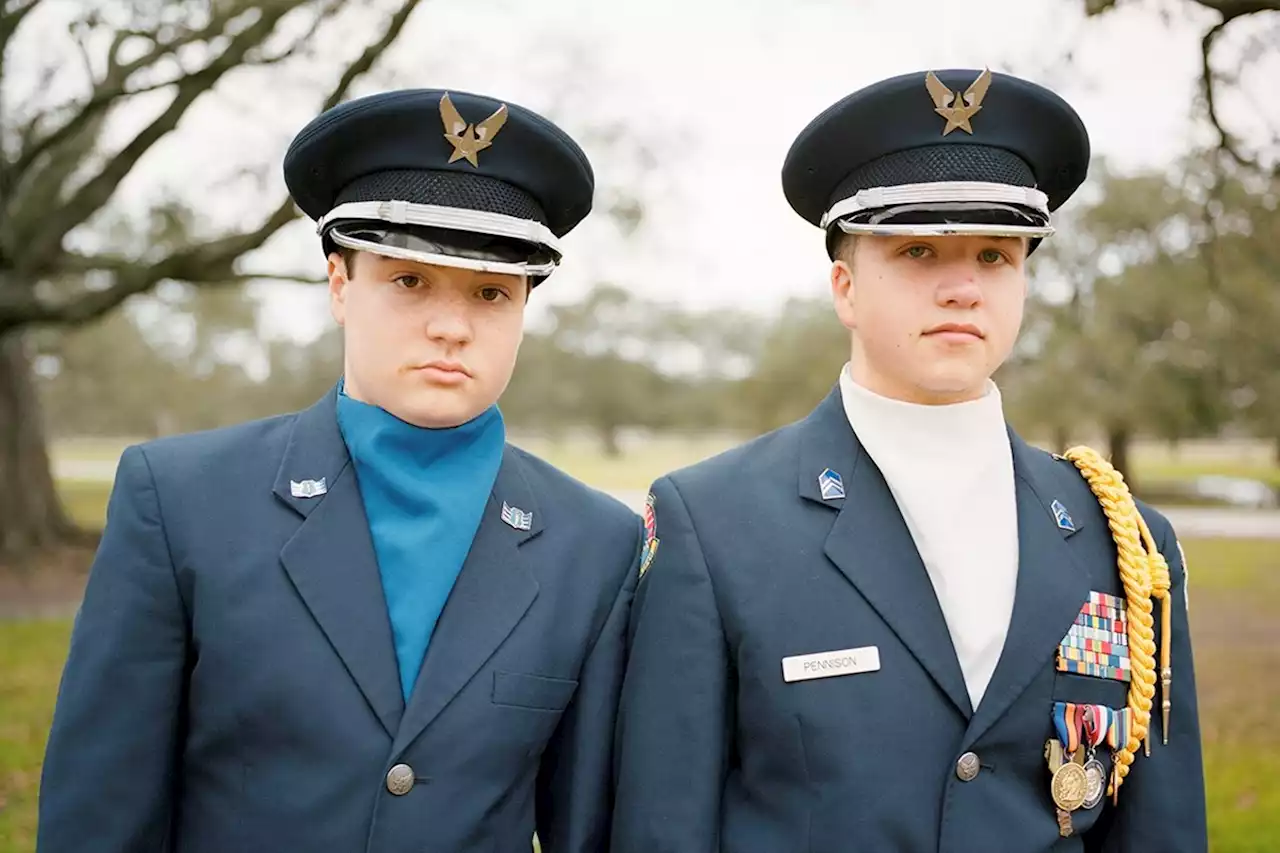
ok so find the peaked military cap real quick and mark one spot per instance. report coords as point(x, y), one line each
point(935, 153)
point(441, 177)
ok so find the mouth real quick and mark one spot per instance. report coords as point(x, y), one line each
point(955, 331)
point(443, 371)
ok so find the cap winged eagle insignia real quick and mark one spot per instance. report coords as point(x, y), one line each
point(958, 109)
point(469, 140)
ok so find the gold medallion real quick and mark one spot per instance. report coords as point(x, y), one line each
point(1070, 785)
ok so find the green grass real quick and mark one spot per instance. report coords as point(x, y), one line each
point(31, 655)
point(1235, 613)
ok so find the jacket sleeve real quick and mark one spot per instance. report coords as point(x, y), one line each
point(575, 785)
point(675, 718)
point(1162, 799)
point(109, 769)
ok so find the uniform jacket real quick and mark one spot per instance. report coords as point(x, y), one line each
point(718, 752)
point(232, 683)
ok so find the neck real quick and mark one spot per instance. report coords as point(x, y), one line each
point(882, 386)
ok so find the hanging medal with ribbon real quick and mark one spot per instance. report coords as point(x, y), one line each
point(1097, 727)
point(1069, 783)
point(1117, 737)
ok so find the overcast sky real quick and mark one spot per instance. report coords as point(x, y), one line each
point(716, 90)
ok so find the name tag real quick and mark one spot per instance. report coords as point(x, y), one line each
point(830, 664)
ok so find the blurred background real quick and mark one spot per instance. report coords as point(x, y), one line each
point(154, 277)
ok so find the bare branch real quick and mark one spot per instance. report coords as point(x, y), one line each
point(1208, 88)
point(43, 239)
point(288, 278)
point(371, 53)
point(209, 263)
point(114, 85)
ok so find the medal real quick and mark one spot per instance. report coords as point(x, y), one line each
point(1097, 724)
point(1117, 737)
point(1055, 759)
point(1069, 784)
point(1069, 787)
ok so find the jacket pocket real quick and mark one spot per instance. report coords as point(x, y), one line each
point(538, 692)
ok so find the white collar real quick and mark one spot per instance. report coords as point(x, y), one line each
point(947, 434)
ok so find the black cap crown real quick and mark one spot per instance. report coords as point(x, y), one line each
point(945, 152)
point(442, 177)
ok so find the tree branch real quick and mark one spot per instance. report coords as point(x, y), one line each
point(1208, 89)
point(114, 84)
point(42, 237)
point(371, 53)
point(208, 263)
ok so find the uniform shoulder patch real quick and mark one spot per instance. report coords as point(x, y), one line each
point(1186, 577)
point(650, 534)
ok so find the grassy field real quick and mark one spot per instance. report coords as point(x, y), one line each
point(1235, 611)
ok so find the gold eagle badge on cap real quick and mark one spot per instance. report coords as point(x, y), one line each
point(957, 109)
point(469, 140)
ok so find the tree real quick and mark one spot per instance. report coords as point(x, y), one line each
point(59, 174)
point(1127, 344)
point(798, 362)
point(1232, 14)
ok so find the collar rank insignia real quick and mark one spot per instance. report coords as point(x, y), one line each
point(831, 485)
point(516, 517)
point(957, 109)
point(307, 488)
point(468, 140)
point(1063, 517)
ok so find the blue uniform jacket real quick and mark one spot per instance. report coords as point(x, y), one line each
point(232, 683)
point(718, 752)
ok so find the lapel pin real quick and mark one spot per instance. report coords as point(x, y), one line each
point(516, 517)
point(831, 485)
point(1063, 517)
point(307, 488)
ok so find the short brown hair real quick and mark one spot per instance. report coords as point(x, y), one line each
point(842, 246)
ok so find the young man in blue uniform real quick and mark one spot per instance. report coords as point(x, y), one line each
point(894, 625)
point(372, 625)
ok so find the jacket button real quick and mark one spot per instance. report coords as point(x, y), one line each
point(400, 779)
point(967, 767)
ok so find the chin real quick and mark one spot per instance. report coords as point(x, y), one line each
point(433, 408)
point(954, 385)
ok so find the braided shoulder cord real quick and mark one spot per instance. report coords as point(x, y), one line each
point(1145, 575)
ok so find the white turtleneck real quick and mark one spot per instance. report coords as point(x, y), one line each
point(950, 469)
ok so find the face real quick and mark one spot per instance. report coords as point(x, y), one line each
point(433, 345)
point(932, 317)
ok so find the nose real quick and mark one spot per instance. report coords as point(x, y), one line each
point(959, 288)
point(448, 322)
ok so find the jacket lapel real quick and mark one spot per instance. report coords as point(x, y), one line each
point(871, 545)
point(1052, 586)
point(493, 591)
point(330, 559)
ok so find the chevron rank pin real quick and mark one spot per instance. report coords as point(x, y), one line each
point(1063, 517)
point(831, 485)
point(516, 517)
point(307, 488)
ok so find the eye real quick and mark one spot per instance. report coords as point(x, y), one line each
point(917, 251)
point(493, 294)
point(991, 256)
point(408, 282)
